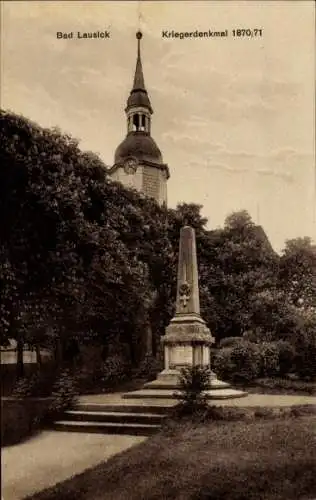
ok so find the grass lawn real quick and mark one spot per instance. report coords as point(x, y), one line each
point(280, 386)
point(265, 459)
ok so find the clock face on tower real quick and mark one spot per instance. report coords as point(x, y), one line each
point(130, 165)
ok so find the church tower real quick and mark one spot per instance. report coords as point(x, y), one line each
point(138, 161)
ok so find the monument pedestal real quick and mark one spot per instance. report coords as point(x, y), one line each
point(187, 341)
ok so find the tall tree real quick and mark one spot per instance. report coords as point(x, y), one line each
point(237, 264)
point(297, 274)
point(58, 241)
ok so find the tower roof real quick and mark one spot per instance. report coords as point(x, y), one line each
point(138, 142)
point(140, 145)
point(138, 95)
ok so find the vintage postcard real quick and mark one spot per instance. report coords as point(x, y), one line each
point(158, 249)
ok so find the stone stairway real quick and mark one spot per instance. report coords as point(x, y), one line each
point(133, 419)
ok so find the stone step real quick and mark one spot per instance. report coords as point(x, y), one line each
point(164, 383)
point(162, 393)
point(132, 429)
point(127, 407)
point(114, 417)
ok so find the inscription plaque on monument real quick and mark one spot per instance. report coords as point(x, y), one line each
point(181, 355)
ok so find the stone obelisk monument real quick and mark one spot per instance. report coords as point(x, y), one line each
point(187, 340)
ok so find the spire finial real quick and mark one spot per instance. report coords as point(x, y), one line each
point(138, 95)
point(139, 77)
point(139, 36)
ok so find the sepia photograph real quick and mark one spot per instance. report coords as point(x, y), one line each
point(158, 249)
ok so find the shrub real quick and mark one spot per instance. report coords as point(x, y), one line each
point(240, 363)
point(230, 341)
point(86, 379)
point(250, 336)
point(25, 387)
point(286, 356)
point(90, 356)
point(90, 370)
point(9, 376)
point(149, 368)
point(258, 335)
point(246, 358)
point(193, 382)
point(306, 354)
point(114, 371)
point(222, 362)
point(103, 375)
point(269, 359)
point(64, 394)
point(39, 384)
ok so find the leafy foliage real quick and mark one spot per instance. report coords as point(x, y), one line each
point(39, 384)
point(242, 362)
point(84, 260)
point(230, 341)
point(149, 367)
point(286, 357)
point(114, 370)
point(297, 273)
point(72, 265)
point(193, 384)
point(64, 394)
point(237, 263)
point(305, 346)
point(270, 355)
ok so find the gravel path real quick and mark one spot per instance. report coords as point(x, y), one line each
point(51, 457)
point(247, 401)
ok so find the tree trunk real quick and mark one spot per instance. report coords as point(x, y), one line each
point(149, 339)
point(38, 356)
point(154, 344)
point(132, 352)
point(58, 353)
point(19, 360)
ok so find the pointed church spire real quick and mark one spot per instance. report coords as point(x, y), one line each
point(139, 83)
point(138, 95)
point(138, 161)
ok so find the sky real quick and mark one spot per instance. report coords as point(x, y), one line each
point(234, 117)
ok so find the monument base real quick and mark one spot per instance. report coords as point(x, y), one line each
point(169, 379)
point(166, 386)
point(186, 343)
